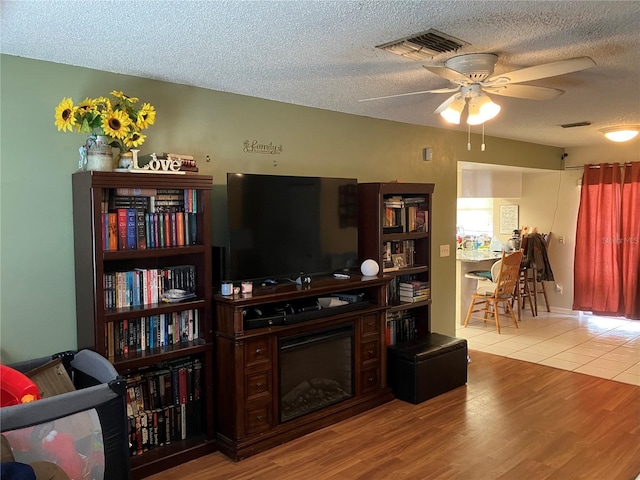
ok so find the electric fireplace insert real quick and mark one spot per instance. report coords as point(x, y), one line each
point(315, 370)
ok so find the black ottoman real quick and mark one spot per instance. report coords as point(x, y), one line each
point(423, 368)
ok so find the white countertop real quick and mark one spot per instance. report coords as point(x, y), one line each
point(477, 255)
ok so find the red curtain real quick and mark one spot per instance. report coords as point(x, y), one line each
point(631, 240)
point(606, 266)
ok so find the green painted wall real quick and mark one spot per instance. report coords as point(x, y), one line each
point(37, 303)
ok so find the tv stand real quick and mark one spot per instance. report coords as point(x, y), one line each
point(250, 418)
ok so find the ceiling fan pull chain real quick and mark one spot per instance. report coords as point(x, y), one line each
point(468, 137)
point(482, 146)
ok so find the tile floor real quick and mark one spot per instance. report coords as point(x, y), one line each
point(599, 346)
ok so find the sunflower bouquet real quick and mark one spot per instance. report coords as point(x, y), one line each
point(122, 121)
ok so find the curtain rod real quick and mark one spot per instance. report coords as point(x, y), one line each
point(581, 167)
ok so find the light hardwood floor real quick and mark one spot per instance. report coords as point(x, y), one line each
point(514, 420)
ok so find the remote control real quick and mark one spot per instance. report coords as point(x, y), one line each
point(341, 275)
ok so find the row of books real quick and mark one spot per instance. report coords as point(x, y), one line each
point(136, 229)
point(394, 293)
point(414, 291)
point(175, 382)
point(160, 427)
point(404, 214)
point(140, 286)
point(188, 162)
point(151, 200)
point(400, 326)
point(164, 404)
point(153, 331)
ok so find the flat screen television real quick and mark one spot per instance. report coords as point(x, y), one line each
point(281, 226)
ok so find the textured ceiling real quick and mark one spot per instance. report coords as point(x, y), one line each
point(322, 53)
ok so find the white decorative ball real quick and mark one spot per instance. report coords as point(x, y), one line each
point(369, 268)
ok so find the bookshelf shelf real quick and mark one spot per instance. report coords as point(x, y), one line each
point(388, 237)
point(394, 226)
point(146, 340)
point(137, 360)
point(181, 451)
point(152, 253)
point(407, 270)
point(112, 315)
point(398, 307)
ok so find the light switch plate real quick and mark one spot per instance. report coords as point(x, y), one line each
point(444, 250)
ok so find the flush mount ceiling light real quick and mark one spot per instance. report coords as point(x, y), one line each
point(622, 133)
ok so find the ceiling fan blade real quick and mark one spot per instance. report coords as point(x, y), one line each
point(393, 96)
point(446, 90)
point(449, 74)
point(546, 70)
point(529, 92)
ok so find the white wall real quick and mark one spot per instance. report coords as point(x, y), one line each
point(490, 184)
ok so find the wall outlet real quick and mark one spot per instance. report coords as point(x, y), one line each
point(561, 239)
point(558, 288)
point(444, 250)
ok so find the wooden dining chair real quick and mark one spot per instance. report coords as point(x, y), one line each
point(489, 298)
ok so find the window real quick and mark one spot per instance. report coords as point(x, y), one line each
point(475, 216)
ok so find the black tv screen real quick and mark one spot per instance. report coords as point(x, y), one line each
point(282, 226)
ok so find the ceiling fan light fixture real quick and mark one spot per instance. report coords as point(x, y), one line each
point(622, 133)
point(481, 109)
point(453, 112)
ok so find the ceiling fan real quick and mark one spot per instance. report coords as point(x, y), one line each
point(471, 76)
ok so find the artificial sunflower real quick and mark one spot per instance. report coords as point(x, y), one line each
point(146, 116)
point(124, 97)
point(65, 115)
point(102, 105)
point(134, 139)
point(120, 119)
point(116, 124)
point(87, 105)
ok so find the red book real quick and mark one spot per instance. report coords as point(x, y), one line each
point(182, 381)
point(167, 231)
point(189, 201)
point(179, 222)
point(122, 228)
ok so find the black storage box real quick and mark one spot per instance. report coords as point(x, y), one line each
point(423, 368)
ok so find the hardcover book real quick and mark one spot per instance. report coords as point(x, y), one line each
point(122, 228)
point(132, 232)
point(113, 231)
point(141, 230)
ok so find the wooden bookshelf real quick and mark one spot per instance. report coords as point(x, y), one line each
point(94, 319)
point(395, 230)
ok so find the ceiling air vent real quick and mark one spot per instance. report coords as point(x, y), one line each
point(424, 46)
point(577, 124)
